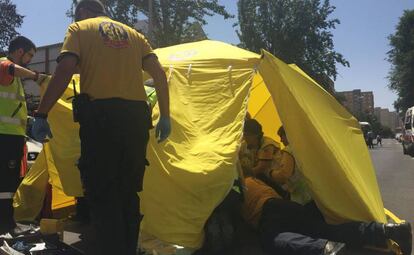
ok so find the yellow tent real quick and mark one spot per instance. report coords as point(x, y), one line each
point(212, 84)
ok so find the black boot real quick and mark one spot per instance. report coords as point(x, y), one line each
point(401, 234)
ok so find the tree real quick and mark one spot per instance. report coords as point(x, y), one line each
point(401, 57)
point(375, 126)
point(193, 33)
point(173, 20)
point(296, 31)
point(9, 21)
point(170, 22)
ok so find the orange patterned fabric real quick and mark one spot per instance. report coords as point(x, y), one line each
point(255, 195)
point(5, 77)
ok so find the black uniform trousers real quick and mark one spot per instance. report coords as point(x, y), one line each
point(288, 228)
point(11, 153)
point(114, 136)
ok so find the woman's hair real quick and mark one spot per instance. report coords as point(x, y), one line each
point(252, 126)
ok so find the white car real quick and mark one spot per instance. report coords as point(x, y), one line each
point(408, 134)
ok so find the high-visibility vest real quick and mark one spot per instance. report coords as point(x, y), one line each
point(298, 188)
point(13, 109)
point(151, 96)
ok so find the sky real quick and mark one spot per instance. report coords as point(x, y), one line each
point(361, 36)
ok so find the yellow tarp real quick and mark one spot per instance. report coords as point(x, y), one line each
point(28, 200)
point(328, 144)
point(194, 169)
point(191, 173)
point(62, 152)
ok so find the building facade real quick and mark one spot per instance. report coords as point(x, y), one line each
point(388, 119)
point(359, 103)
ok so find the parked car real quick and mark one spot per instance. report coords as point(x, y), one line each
point(408, 133)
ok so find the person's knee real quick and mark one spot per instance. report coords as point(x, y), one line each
point(294, 243)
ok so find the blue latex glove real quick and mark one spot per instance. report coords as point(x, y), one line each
point(163, 129)
point(41, 129)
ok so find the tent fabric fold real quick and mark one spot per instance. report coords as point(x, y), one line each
point(328, 144)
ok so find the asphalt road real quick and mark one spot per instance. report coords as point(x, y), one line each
point(395, 175)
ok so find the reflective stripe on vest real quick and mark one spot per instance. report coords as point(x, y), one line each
point(11, 96)
point(6, 195)
point(13, 110)
point(11, 120)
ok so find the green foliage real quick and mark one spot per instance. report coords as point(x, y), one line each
point(170, 22)
point(386, 132)
point(193, 33)
point(296, 31)
point(9, 21)
point(174, 22)
point(401, 57)
point(376, 127)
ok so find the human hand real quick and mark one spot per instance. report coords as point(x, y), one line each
point(41, 78)
point(40, 129)
point(163, 129)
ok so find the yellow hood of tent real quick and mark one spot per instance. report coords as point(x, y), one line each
point(204, 52)
point(212, 84)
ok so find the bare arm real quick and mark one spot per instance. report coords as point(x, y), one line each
point(24, 73)
point(60, 80)
point(10, 68)
point(153, 67)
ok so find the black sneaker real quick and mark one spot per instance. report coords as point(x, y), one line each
point(401, 234)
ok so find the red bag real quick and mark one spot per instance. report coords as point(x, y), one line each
point(23, 166)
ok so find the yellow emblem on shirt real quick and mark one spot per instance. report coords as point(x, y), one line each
point(113, 35)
